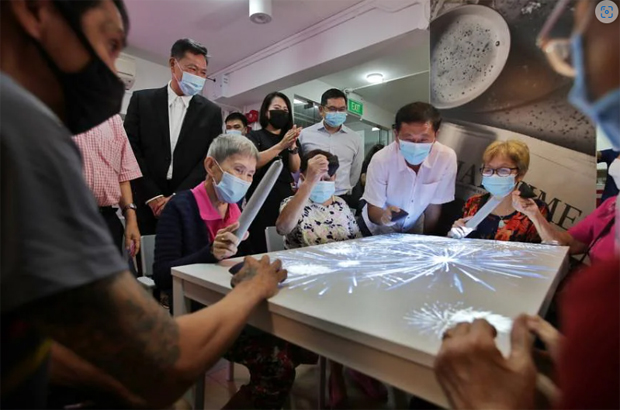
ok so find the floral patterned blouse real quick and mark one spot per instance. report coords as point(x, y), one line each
point(320, 224)
point(515, 227)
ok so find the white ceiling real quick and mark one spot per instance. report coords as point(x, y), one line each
point(223, 26)
point(397, 64)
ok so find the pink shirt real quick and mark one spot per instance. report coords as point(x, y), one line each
point(108, 160)
point(591, 227)
point(210, 215)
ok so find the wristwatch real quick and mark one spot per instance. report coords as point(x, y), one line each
point(129, 206)
point(293, 151)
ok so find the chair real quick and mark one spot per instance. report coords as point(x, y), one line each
point(147, 256)
point(275, 241)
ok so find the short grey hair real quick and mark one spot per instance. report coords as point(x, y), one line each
point(227, 145)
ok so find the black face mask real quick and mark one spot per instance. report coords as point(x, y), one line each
point(92, 95)
point(278, 118)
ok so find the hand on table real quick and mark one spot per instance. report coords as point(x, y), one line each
point(459, 230)
point(549, 335)
point(474, 374)
point(263, 275)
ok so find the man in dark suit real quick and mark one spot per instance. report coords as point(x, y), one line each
point(170, 130)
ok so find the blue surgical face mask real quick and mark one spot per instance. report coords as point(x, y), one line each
point(606, 111)
point(415, 153)
point(322, 191)
point(499, 186)
point(190, 84)
point(335, 119)
point(234, 132)
point(231, 189)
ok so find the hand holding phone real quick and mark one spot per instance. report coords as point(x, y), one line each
point(398, 215)
point(526, 192)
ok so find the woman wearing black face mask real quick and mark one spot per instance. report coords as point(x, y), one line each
point(276, 139)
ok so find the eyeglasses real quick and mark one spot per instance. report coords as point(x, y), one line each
point(193, 69)
point(335, 109)
point(558, 50)
point(501, 172)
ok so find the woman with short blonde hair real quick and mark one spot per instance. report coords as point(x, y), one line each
point(505, 164)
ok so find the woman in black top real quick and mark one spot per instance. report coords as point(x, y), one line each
point(276, 139)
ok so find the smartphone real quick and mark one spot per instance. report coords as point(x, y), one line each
point(397, 216)
point(525, 191)
point(236, 268)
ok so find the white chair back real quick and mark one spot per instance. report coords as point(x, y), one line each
point(147, 252)
point(275, 241)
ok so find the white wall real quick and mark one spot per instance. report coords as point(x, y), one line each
point(148, 75)
point(323, 46)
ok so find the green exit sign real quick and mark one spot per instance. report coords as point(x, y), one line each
point(356, 107)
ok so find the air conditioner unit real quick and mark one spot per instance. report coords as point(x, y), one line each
point(126, 69)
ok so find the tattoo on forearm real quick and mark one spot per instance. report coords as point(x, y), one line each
point(115, 326)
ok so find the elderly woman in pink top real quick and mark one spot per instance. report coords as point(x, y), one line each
point(593, 236)
point(197, 226)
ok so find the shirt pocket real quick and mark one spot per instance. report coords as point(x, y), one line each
point(425, 193)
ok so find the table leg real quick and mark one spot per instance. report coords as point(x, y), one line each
point(322, 382)
point(181, 306)
point(199, 393)
point(401, 401)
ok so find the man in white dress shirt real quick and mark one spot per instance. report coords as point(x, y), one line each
point(333, 136)
point(170, 130)
point(415, 174)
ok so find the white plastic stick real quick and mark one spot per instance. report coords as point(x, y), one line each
point(483, 212)
point(258, 198)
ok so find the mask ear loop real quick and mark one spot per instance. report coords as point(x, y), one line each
point(218, 165)
point(175, 77)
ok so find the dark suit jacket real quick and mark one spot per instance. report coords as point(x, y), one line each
point(148, 130)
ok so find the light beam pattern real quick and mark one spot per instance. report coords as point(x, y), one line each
point(392, 261)
point(436, 318)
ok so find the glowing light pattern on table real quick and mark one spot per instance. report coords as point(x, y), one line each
point(436, 318)
point(391, 261)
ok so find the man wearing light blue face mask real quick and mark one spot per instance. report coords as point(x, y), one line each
point(333, 136)
point(236, 123)
point(415, 174)
point(170, 130)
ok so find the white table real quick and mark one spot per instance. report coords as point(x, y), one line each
point(380, 304)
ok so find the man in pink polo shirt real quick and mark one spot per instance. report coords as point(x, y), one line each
point(108, 167)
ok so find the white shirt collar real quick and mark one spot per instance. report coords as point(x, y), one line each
point(172, 96)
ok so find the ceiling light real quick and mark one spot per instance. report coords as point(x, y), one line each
point(374, 78)
point(260, 11)
point(375, 129)
point(296, 101)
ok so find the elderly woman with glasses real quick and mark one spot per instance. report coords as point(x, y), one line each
point(505, 165)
